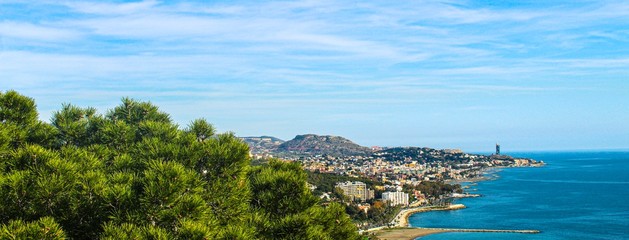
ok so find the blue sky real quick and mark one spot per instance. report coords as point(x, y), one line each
point(532, 75)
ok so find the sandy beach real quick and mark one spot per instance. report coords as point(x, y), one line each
point(401, 219)
point(401, 230)
point(406, 233)
point(412, 233)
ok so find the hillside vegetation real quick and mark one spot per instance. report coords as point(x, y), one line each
point(323, 145)
point(132, 173)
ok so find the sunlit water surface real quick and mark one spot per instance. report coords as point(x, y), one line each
point(577, 195)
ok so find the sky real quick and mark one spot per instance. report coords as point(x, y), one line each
point(530, 75)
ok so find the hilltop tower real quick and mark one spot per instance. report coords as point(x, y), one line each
point(497, 149)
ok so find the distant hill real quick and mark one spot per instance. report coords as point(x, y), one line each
point(312, 144)
point(262, 144)
point(263, 138)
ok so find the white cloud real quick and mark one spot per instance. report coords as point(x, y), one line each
point(33, 32)
point(268, 56)
point(101, 8)
point(607, 63)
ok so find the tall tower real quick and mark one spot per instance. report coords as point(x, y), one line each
point(497, 149)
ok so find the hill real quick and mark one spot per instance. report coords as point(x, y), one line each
point(262, 144)
point(311, 144)
point(263, 139)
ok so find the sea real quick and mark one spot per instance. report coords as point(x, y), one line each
point(577, 195)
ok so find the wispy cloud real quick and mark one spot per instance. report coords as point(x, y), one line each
point(33, 32)
point(342, 58)
point(103, 8)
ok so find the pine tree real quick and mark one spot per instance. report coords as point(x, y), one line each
point(288, 210)
point(133, 174)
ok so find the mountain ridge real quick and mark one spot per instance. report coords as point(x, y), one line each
point(306, 144)
point(323, 145)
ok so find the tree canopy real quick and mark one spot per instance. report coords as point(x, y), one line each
point(134, 174)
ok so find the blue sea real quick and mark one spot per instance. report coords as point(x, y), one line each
point(577, 195)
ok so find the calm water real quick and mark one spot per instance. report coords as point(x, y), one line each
point(582, 195)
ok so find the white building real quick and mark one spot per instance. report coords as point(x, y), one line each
point(356, 191)
point(395, 198)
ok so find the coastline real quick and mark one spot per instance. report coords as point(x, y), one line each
point(401, 219)
point(401, 230)
point(413, 233)
point(406, 233)
point(491, 173)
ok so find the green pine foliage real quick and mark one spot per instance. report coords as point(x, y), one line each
point(134, 174)
point(286, 209)
point(45, 228)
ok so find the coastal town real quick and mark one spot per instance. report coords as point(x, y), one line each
point(410, 166)
point(391, 181)
point(398, 165)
